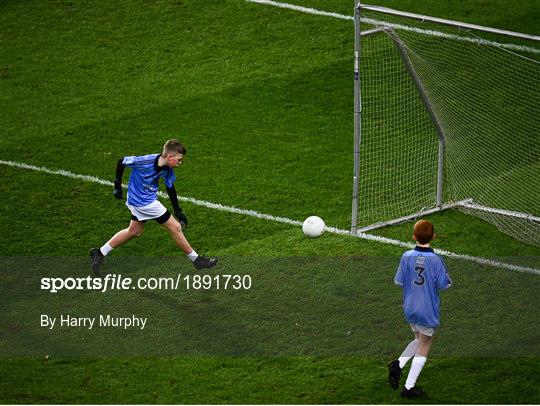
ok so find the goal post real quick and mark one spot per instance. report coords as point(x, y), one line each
point(446, 116)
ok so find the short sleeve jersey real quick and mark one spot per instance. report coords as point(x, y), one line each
point(144, 178)
point(421, 274)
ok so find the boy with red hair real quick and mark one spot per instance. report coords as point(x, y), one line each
point(421, 274)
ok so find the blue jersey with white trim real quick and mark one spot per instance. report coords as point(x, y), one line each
point(143, 181)
point(421, 274)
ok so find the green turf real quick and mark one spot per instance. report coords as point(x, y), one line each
point(262, 98)
point(312, 305)
point(259, 381)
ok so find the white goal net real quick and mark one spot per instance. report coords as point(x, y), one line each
point(477, 93)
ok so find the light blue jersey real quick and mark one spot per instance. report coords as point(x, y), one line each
point(143, 181)
point(421, 273)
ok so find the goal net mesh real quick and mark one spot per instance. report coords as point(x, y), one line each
point(486, 97)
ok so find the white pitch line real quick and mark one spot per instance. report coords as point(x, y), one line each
point(402, 27)
point(302, 9)
point(210, 205)
point(278, 219)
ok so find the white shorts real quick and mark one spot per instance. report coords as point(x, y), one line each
point(427, 331)
point(148, 212)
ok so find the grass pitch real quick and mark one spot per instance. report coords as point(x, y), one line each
point(262, 97)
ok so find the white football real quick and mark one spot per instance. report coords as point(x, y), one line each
point(313, 226)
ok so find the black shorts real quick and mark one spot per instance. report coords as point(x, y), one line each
point(161, 219)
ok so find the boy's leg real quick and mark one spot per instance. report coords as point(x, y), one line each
point(395, 367)
point(418, 362)
point(175, 230)
point(135, 229)
point(409, 351)
point(424, 345)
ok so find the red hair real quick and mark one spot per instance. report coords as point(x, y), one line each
point(424, 231)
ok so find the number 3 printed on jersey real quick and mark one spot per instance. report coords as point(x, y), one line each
point(420, 279)
point(420, 268)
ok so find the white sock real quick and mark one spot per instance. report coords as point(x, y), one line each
point(192, 255)
point(408, 353)
point(416, 366)
point(106, 249)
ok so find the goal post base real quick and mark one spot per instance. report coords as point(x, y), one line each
point(465, 203)
point(413, 216)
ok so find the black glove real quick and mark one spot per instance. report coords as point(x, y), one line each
point(117, 192)
point(181, 217)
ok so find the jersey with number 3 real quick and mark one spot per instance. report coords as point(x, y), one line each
point(421, 274)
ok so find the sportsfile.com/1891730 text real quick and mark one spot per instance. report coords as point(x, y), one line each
point(113, 282)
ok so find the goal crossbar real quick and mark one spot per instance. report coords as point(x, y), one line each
point(451, 23)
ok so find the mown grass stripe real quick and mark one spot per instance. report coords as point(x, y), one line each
point(432, 33)
point(279, 219)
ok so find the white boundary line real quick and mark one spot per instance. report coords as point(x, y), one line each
point(269, 217)
point(431, 33)
point(302, 9)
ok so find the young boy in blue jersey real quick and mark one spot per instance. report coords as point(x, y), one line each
point(146, 171)
point(421, 274)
